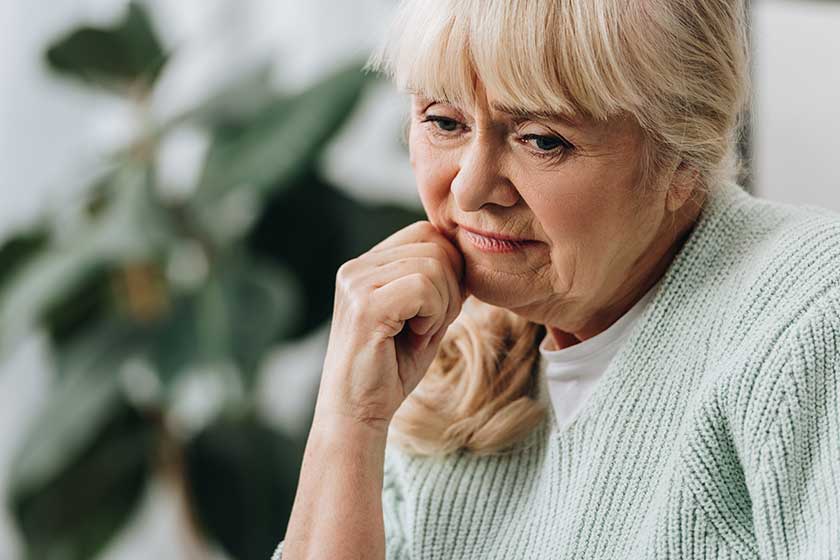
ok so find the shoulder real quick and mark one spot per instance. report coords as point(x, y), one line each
point(747, 252)
point(766, 275)
point(787, 268)
point(804, 240)
point(783, 243)
point(795, 378)
point(754, 256)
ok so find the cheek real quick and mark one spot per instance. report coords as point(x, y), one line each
point(582, 224)
point(433, 174)
point(571, 217)
point(593, 237)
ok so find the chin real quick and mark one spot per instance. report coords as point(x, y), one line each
point(507, 291)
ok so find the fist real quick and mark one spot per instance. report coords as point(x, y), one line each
point(393, 304)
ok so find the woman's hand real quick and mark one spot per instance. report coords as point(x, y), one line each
point(393, 305)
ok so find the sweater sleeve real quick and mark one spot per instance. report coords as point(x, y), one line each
point(278, 552)
point(796, 485)
point(393, 510)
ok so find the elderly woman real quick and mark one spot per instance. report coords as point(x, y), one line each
point(599, 346)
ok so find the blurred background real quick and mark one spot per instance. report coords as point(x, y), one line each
point(179, 182)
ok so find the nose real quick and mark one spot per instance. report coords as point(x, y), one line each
point(479, 180)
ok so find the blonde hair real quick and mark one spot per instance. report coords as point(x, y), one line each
point(680, 68)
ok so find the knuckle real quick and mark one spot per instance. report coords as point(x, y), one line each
point(424, 227)
point(345, 271)
point(344, 285)
point(387, 324)
point(350, 294)
point(351, 277)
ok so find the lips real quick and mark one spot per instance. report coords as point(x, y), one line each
point(496, 243)
point(496, 236)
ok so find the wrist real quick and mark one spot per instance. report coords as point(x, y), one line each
point(341, 426)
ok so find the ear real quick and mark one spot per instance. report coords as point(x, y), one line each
point(683, 185)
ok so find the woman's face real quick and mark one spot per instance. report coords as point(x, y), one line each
point(595, 242)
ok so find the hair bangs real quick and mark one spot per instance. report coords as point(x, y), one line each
point(540, 57)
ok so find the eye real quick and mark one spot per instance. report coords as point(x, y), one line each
point(553, 148)
point(545, 143)
point(441, 124)
point(548, 146)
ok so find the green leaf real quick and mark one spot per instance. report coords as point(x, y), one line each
point(134, 226)
point(49, 285)
point(175, 344)
point(313, 228)
point(77, 513)
point(247, 513)
point(85, 302)
point(244, 307)
point(128, 56)
point(83, 465)
point(264, 305)
point(85, 396)
point(44, 283)
point(276, 146)
point(17, 250)
point(194, 336)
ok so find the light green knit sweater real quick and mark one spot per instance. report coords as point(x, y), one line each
point(714, 433)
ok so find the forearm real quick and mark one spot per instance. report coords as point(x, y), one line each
point(337, 512)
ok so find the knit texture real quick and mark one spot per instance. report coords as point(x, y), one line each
point(713, 434)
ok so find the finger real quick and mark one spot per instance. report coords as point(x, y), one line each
point(424, 231)
point(437, 269)
point(432, 250)
point(423, 325)
point(435, 339)
point(412, 233)
point(403, 299)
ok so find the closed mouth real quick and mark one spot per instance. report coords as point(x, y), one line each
point(496, 236)
point(489, 244)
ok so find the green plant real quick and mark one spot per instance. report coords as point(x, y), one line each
point(140, 293)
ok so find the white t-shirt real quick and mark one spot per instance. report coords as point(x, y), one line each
point(571, 373)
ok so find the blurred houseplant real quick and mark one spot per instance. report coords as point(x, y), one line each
point(140, 291)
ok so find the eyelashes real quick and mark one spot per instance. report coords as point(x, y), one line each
point(552, 148)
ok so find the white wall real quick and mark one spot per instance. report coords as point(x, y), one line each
point(797, 101)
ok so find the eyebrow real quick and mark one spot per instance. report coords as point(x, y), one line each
point(524, 114)
point(517, 113)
